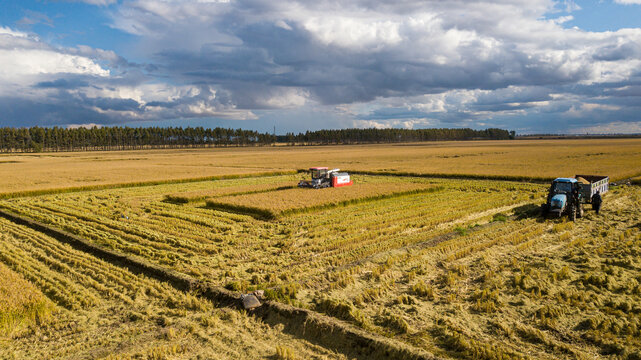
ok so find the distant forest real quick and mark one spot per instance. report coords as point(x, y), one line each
point(39, 139)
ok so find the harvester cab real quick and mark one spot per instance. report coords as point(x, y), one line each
point(322, 177)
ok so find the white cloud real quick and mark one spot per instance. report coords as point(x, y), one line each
point(583, 109)
point(354, 32)
point(628, 2)
point(25, 61)
point(393, 123)
point(10, 32)
point(18, 63)
point(85, 126)
point(283, 25)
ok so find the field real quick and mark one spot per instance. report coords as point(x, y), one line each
point(451, 267)
point(619, 158)
point(107, 312)
point(288, 200)
point(21, 303)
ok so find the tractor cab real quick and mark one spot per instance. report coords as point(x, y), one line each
point(563, 185)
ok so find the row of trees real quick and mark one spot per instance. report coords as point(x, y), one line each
point(37, 139)
point(359, 136)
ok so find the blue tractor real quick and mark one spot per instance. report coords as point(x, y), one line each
point(566, 195)
point(564, 198)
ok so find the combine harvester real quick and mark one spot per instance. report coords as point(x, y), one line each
point(566, 195)
point(324, 178)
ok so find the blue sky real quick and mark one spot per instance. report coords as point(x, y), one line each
point(537, 66)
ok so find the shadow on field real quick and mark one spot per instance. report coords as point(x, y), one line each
point(529, 211)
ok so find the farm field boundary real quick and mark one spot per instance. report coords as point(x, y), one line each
point(140, 183)
point(310, 325)
point(530, 179)
point(266, 214)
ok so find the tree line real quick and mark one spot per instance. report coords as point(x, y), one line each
point(38, 139)
point(372, 135)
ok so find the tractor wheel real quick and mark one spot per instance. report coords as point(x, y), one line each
point(573, 212)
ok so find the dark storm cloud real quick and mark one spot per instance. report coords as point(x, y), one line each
point(618, 52)
point(20, 112)
point(62, 84)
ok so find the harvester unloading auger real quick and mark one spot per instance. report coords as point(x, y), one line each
point(322, 177)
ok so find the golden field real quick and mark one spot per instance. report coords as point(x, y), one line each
point(21, 303)
point(618, 158)
point(240, 187)
point(273, 204)
point(452, 267)
point(107, 312)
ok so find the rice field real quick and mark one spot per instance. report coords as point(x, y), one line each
point(240, 251)
point(246, 186)
point(457, 268)
point(106, 312)
point(619, 158)
point(515, 288)
point(289, 200)
point(21, 303)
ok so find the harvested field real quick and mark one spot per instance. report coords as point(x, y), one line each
point(516, 288)
point(107, 312)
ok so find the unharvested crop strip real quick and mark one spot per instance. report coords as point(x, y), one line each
point(140, 183)
point(305, 323)
point(265, 214)
point(178, 199)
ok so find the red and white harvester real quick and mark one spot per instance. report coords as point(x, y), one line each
point(322, 178)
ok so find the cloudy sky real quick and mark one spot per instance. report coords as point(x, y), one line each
point(534, 66)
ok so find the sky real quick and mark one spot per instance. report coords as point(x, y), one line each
point(533, 66)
